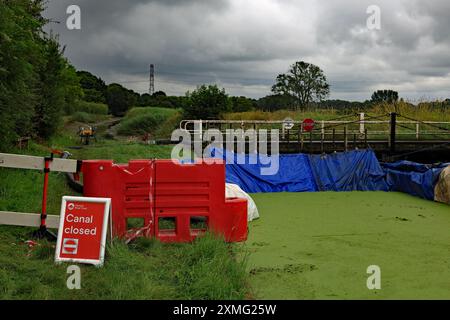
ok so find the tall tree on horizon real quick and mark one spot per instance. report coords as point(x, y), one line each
point(304, 82)
point(389, 96)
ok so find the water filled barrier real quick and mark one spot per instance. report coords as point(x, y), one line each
point(170, 201)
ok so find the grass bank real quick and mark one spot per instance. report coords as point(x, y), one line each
point(206, 269)
point(159, 122)
point(145, 269)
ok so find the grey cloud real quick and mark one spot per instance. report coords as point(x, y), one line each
point(245, 44)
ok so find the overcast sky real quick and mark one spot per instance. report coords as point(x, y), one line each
point(243, 44)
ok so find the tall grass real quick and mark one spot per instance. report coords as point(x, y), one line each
point(88, 107)
point(431, 111)
point(85, 117)
point(153, 120)
point(208, 268)
point(145, 269)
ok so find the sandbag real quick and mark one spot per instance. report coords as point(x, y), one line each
point(234, 191)
point(442, 188)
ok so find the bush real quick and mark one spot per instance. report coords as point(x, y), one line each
point(120, 99)
point(89, 107)
point(81, 116)
point(206, 102)
point(146, 120)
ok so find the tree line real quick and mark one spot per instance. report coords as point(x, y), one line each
point(36, 81)
point(38, 85)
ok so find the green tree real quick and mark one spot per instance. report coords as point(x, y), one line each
point(389, 96)
point(275, 102)
point(94, 88)
point(19, 52)
point(36, 81)
point(146, 100)
point(304, 82)
point(242, 104)
point(120, 99)
point(159, 94)
point(56, 86)
point(206, 102)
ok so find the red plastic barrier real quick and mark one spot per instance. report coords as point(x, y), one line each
point(128, 186)
point(176, 202)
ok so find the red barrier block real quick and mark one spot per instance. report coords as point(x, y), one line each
point(128, 186)
point(177, 202)
point(191, 196)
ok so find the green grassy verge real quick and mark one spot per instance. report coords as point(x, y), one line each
point(87, 118)
point(90, 107)
point(206, 269)
point(145, 269)
point(319, 245)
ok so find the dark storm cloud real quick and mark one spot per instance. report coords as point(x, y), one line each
point(243, 45)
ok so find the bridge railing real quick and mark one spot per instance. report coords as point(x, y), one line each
point(371, 129)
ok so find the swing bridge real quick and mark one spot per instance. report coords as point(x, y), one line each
point(392, 136)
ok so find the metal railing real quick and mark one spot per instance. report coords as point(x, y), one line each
point(372, 128)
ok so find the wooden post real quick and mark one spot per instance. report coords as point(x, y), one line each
point(334, 139)
point(345, 139)
point(322, 130)
point(365, 139)
point(417, 130)
point(288, 139)
point(301, 138)
point(361, 123)
point(393, 131)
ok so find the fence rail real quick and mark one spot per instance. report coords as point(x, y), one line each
point(375, 128)
point(381, 132)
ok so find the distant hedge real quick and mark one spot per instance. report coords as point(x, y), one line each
point(145, 120)
point(88, 107)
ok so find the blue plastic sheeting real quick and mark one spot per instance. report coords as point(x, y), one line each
point(413, 178)
point(357, 170)
point(293, 175)
point(354, 170)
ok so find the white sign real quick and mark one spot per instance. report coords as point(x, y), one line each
point(288, 124)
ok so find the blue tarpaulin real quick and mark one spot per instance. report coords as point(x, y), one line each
point(413, 178)
point(293, 174)
point(357, 170)
point(354, 170)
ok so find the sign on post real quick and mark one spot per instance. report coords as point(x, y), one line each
point(83, 227)
point(288, 123)
point(308, 125)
